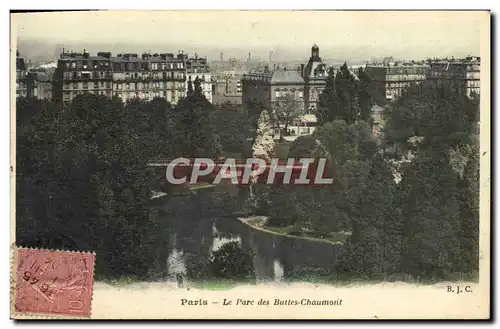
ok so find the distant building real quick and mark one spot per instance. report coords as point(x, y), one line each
point(21, 77)
point(126, 76)
point(197, 68)
point(39, 85)
point(227, 87)
point(464, 71)
point(314, 75)
point(392, 78)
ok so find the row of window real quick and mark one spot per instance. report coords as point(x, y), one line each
point(280, 93)
point(133, 75)
point(86, 65)
point(68, 96)
point(153, 85)
point(93, 64)
point(397, 85)
point(125, 86)
point(150, 95)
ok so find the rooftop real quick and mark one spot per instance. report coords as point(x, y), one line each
point(286, 76)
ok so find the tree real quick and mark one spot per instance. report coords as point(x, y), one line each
point(366, 99)
point(329, 102)
point(263, 144)
point(287, 110)
point(190, 87)
point(431, 216)
point(375, 243)
point(231, 261)
point(346, 88)
point(197, 86)
point(347, 142)
point(88, 182)
point(234, 130)
point(199, 137)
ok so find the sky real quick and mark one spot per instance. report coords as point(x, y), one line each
point(403, 34)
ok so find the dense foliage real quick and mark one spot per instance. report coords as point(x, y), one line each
point(82, 176)
point(83, 184)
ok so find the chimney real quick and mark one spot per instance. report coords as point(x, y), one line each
point(266, 68)
point(302, 70)
point(274, 67)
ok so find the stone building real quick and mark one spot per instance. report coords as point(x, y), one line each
point(197, 68)
point(314, 74)
point(269, 87)
point(464, 71)
point(126, 76)
point(391, 79)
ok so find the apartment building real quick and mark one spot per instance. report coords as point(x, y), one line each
point(197, 68)
point(149, 76)
point(390, 79)
point(464, 71)
point(125, 76)
point(39, 85)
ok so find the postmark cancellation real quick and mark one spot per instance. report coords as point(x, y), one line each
point(51, 283)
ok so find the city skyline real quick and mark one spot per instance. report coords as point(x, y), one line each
point(341, 35)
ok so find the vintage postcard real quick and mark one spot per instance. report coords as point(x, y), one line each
point(250, 165)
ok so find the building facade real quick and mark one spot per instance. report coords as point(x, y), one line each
point(197, 68)
point(39, 85)
point(314, 74)
point(227, 87)
point(21, 77)
point(126, 76)
point(270, 87)
point(464, 71)
point(391, 79)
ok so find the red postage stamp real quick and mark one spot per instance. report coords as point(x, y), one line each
point(57, 283)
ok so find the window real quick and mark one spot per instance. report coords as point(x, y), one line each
point(75, 85)
point(102, 84)
point(73, 65)
point(85, 85)
point(67, 64)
